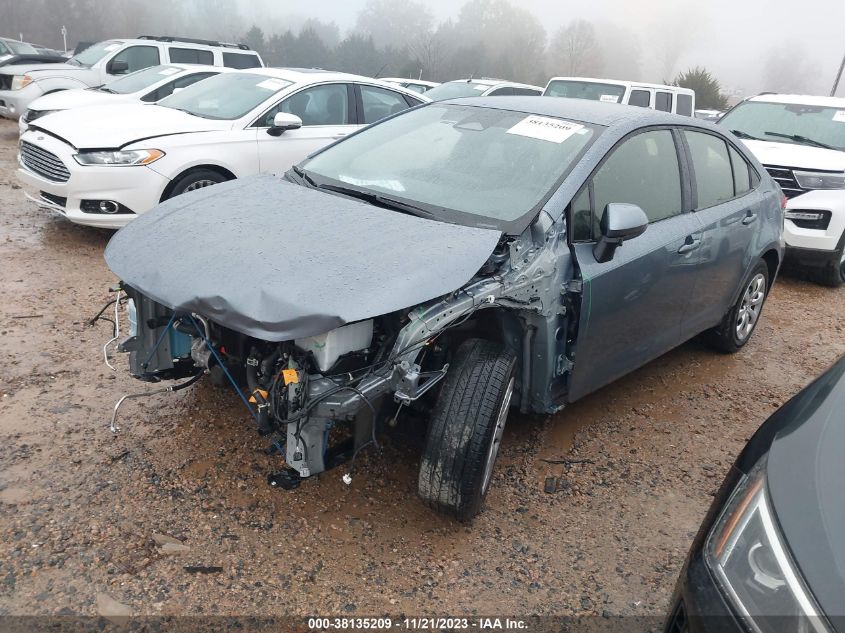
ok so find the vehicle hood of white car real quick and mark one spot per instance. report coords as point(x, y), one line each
point(314, 262)
point(116, 126)
point(799, 156)
point(66, 99)
point(39, 71)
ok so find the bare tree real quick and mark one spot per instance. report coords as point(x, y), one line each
point(575, 50)
point(395, 22)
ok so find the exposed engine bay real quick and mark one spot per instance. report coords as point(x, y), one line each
point(322, 398)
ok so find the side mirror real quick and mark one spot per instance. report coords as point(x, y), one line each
point(118, 67)
point(284, 121)
point(620, 222)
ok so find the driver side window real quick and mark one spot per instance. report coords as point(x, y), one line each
point(321, 105)
point(643, 170)
point(138, 57)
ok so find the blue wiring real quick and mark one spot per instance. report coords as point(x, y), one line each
point(225, 370)
point(158, 342)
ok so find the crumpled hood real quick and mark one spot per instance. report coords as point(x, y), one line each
point(279, 261)
point(117, 125)
point(800, 156)
point(76, 98)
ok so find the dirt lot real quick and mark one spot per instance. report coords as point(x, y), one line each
point(79, 506)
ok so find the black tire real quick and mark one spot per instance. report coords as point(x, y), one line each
point(196, 179)
point(833, 274)
point(727, 337)
point(465, 429)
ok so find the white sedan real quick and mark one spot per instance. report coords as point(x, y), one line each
point(146, 86)
point(103, 165)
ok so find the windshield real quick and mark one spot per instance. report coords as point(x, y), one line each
point(456, 89)
point(611, 93)
point(95, 53)
point(774, 121)
point(140, 79)
point(477, 166)
point(20, 48)
point(228, 96)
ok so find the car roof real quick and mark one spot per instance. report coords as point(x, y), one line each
point(623, 82)
point(423, 82)
point(315, 75)
point(811, 100)
point(584, 110)
point(196, 67)
point(487, 81)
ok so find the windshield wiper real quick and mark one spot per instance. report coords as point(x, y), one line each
point(301, 173)
point(379, 200)
point(804, 140)
point(741, 134)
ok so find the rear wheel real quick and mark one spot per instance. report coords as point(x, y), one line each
point(739, 323)
point(197, 179)
point(466, 428)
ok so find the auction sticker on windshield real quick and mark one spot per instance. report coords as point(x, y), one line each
point(839, 116)
point(546, 128)
point(609, 99)
point(272, 84)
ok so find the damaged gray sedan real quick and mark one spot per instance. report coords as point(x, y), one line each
point(446, 266)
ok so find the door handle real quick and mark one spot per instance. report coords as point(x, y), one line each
point(690, 244)
point(749, 218)
point(340, 135)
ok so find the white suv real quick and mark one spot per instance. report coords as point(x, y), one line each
point(103, 165)
point(99, 64)
point(481, 88)
point(801, 142)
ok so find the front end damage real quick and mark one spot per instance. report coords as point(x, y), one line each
point(322, 398)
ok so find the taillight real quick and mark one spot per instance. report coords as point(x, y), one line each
point(783, 201)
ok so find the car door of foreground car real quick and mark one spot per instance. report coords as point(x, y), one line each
point(328, 114)
point(730, 208)
point(633, 305)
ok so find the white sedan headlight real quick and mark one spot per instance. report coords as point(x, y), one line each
point(748, 557)
point(819, 179)
point(120, 158)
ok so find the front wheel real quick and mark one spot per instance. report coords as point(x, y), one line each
point(466, 428)
point(834, 273)
point(739, 323)
point(197, 179)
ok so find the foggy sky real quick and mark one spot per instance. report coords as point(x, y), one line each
point(732, 38)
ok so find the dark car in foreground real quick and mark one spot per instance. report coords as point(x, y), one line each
point(770, 556)
point(459, 259)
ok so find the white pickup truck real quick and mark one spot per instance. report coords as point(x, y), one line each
point(102, 62)
point(801, 142)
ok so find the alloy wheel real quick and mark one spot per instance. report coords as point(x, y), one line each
point(199, 184)
point(496, 441)
point(749, 309)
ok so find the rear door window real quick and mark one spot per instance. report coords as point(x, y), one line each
point(505, 91)
point(138, 57)
point(531, 92)
point(743, 176)
point(191, 56)
point(714, 179)
point(640, 98)
point(378, 103)
point(683, 104)
point(241, 60)
point(663, 101)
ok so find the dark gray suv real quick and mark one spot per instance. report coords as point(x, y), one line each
point(446, 265)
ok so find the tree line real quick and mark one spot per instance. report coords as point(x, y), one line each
point(487, 38)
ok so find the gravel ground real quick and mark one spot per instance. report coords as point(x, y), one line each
point(87, 516)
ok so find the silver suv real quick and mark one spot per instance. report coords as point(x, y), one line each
point(102, 62)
